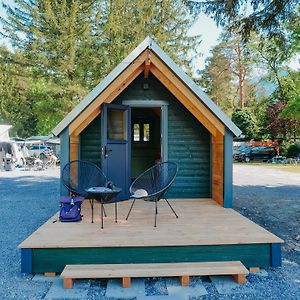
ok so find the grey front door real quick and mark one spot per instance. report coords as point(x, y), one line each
point(116, 143)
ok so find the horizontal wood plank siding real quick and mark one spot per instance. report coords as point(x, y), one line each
point(90, 142)
point(189, 146)
point(54, 260)
point(188, 140)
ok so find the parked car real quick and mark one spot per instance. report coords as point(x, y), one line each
point(38, 150)
point(279, 160)
point(257, 154)
point(241, 152)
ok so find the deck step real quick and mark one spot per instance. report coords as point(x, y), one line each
point(128, 271)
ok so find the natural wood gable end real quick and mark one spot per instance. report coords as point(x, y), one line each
point(147, 62)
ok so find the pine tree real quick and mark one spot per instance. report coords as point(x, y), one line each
point(229, 68)
point(15, 107)
point(51, 34)
point(68, 46)
point(127, 23)
point(217, 77)
point(240, 60)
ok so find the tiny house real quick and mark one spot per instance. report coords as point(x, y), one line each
point(148, 110)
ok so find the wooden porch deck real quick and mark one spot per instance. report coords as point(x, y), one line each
point(202, 223)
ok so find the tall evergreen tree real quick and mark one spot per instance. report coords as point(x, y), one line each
point(230, 67)
point(217, 78)
point(70, 45)
point(51, 35)
point(239, 56)
point(15, 107)
point(127, 23)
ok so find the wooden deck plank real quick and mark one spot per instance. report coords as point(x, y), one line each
point(153, 270)
point(200, 222)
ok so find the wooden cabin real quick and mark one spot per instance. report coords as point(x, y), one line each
point(147, 110)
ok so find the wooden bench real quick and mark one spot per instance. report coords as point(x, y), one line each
point(128, 271)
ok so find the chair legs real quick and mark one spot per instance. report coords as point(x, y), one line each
point(172, 208)
point(102, 215)
point(92, 207)
point(130, 209)
point(155, 213)
point(155, 210)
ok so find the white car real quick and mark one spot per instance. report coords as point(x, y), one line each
point(37, 150)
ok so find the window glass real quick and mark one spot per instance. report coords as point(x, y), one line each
point(136, 132)
point(146, 137)
point(116, 124)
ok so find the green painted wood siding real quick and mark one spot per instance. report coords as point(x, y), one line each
point(54, 260)
point(189, 146)
point(90, 142)
point(188, 140)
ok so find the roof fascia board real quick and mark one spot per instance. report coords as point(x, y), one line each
point(151, 44)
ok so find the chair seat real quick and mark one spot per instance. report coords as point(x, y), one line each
point(153, 184)
point(140, 193)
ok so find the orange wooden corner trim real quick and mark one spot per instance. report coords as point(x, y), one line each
point(218, 168)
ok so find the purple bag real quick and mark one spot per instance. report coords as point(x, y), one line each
point(70, 209)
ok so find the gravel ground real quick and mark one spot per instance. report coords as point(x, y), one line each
point(269, 198)
point(28, 199)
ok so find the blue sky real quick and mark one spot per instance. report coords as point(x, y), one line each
point(210, 33)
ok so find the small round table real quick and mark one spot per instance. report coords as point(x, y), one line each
point(103, 195)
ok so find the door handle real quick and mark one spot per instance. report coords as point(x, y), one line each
point(106, 152)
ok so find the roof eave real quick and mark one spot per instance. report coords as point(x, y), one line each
point(151, 44)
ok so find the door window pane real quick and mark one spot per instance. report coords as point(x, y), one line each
point(146, 136)
point(136, 132)
point(116, 129)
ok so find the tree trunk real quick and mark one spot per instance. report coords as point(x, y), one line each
point(241, 75)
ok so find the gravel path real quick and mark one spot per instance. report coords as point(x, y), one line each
point(28, 199)
point(270, 198)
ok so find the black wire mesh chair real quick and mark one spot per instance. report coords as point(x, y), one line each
point(78, 176)
point(153, 184)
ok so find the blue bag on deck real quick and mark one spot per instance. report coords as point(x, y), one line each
point(70, 209)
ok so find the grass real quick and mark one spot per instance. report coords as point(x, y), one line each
point(281, 167)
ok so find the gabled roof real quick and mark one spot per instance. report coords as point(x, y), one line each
point(148, 43)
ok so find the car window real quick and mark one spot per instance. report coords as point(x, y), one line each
point(37, 147)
